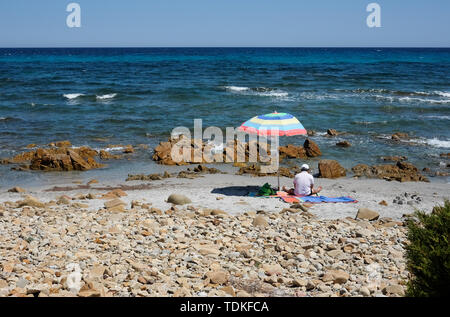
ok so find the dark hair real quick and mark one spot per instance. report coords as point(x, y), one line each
point(304, 169)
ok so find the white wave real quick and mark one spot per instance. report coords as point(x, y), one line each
point(265, 92)
point(370, 122)
point(273, 94)
point(408, 99)
point(72, 96)
point(435, 142)
point(442, 93)
point(107, 96)
point(3, 118)
point(236, 88)
point(438, 117)
point(115, 148)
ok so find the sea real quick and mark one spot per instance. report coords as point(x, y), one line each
point(103, 97)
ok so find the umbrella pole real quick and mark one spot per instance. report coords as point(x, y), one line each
point(278, 173)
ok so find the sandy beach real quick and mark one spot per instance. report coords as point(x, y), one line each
point(124, 239)
point(230, 193)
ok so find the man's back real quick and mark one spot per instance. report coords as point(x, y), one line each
point(302, 183)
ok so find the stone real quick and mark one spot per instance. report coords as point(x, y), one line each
point(292, 151)
point(31, 201)
point(332, 132)
point(178, 199)
point(311, 148)
point(400, 136)
point(330, 169)
point(367, 214)
point(394, 289)
point(364, 291)
point(383, 203)
point(218, 277)
point(114, 203)
point(260, 221)
point(343, 144)
point(92, 181)
point(16, 190)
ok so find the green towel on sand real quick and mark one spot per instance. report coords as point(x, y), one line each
point(266, 190)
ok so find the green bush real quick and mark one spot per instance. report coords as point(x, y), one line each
point(428, 253)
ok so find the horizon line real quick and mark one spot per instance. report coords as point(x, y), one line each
point(40, 47)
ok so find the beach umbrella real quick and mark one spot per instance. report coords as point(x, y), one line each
point(272, 124)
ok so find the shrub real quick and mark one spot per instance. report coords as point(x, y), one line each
point(428, 253)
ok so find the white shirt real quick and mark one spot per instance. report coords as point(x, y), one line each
point(302, 183)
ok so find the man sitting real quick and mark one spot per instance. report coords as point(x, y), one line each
point(303, 184)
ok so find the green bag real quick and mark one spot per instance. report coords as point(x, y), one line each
point(266, 190)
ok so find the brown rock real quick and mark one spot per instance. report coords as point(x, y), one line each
point(93, 181)
point(16, 190)
point(330, 169)
point(332, 132)
point(31, 201)
point(260, 221)
point(218, 277)
point(367, 214)
point(383, 203)
point(292, 151)
point(399, 136)
point(311, 148)
point(344, 144)
point(113, 203)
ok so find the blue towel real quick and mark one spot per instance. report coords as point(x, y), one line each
point(323, 199)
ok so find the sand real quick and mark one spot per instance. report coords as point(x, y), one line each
point(229, 193)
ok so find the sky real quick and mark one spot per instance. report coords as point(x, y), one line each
point(223, 23)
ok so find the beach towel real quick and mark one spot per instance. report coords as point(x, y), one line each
point(323, 199)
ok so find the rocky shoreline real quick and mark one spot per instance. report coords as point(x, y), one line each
point(62, 248)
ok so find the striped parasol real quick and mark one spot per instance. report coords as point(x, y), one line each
point(273, 124)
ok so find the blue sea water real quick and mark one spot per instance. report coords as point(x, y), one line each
point(101, 96)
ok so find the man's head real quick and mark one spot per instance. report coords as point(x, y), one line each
point(305, 167)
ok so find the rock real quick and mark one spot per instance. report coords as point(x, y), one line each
point(332, 132)
point(401, 171)
point(292, 151)
point(367, 214)
point(311, 148)
point(337, 276)
point(364, 291)
point(92, 181)
point(394, 158)
point(128, 149)
point(63, 200)
point(330, 169)
point(114, 203)
point(62, 144)
point(383, 203)
point(60, 158)
point(344, 144)
point(104, 155)
point(31, 201)
point(272, 269)
point(218, 277)
point(16, 190)
point(178, 199)
point(399, 136)
point(394, 289)
point(260, 221)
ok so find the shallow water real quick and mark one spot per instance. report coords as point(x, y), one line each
point(133, 96)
